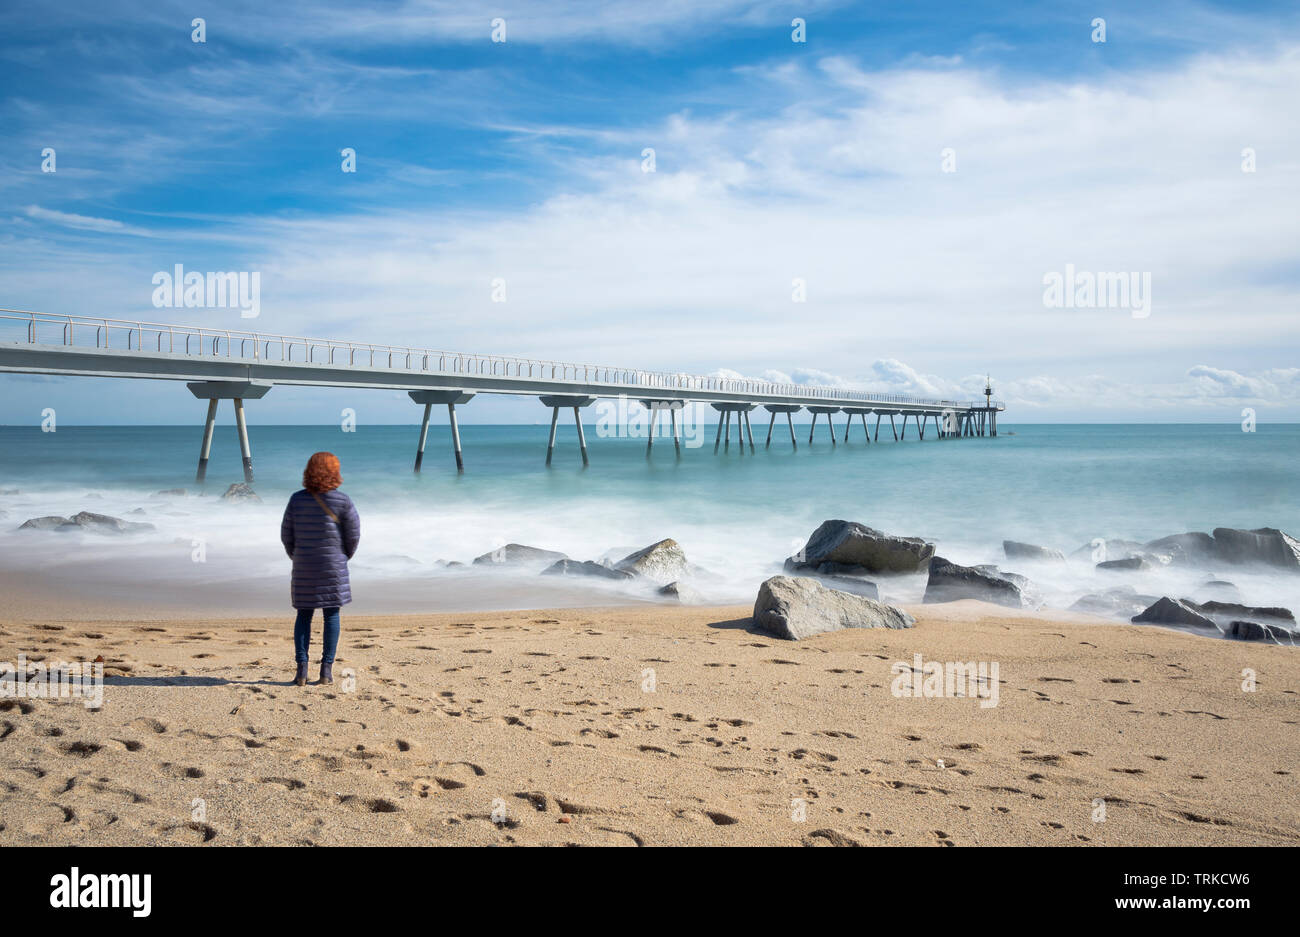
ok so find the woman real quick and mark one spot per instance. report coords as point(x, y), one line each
point(320, 532)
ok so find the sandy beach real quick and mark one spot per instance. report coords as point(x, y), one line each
point(649, 726)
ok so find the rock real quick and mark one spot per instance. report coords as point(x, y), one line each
point(103, 523)
point(1229, 610)
point(662, 562)
point(10, 491)
point(568, 567)
point(170, 493)
point(1187, 549)
point(48, 522)
point(852, 544)
point(516, 554)
point(1220, 589)
point(1107, 550)
point(1015, 550)
point(798, 607)
point(683, 593)
point(1255, 631)
point(1122, 602)
point(841, 569)
point(1266, 546)
point(949, 582)
point(1132, 562)
point(1167, 611)
point(240, 493)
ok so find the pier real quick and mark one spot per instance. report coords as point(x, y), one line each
point(227, 364)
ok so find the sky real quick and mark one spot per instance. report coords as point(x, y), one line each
point(882, 206)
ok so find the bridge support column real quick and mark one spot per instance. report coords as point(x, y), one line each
point(771, 424)
point(920, 424)
point(237, 391)
point(576, 403)
point(830, 423)
point(741, 411)
point(550, 443)
point(654, 407)
point(206, 449)
point(877, 427)
point(424, 436)
point(449, 397)
point(794, 443)
point(788, 409)
point(994, 418)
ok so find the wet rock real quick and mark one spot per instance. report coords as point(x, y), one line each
point(1014, 550)
point(661, 562)
point(1229, 610)
point(48, 522)
point(1122, 602)
point(170, 493)
point(568, 567)
point(949, 582)
point(683, 593)
point(517, 554)
point(853, 544)
point(1257, 631)
point(1220, 589)
point(1189, 549)
point(241, 493)
point(1167, 611)
point(1128, 563)
point(1266, 546)
point(799, 607)
point(104, 524)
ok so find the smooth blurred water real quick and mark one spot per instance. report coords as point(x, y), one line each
point(736, 513)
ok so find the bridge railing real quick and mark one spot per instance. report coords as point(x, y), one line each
point(39, 328)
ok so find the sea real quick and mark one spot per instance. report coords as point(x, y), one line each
point(736, 512)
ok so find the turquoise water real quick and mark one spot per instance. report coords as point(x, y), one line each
point(735, 512)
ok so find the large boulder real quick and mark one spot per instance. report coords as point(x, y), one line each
point(1266, 546)
point(104, 524)
point(241, 493)
point(1128, 563)
point(1257, 631)
point(797, 607)
point(1167, 611)
point(949, 582)
point(1189, 549)
point(853, 544)
point(1122, 602)
point(681, 593)
point(568, 567)
point(1226, 611)
point(47, 522)
point(516, 554)
point(661, 562)
point(1015, 550)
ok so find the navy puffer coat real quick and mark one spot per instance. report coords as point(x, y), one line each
point(320, 549)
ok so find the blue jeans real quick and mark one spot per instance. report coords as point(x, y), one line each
point(302, 634)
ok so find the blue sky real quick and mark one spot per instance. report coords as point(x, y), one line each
point(521, 161)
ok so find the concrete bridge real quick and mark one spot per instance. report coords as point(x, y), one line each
point(226, 364)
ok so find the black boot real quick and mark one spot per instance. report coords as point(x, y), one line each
point(326, 673)
point(300, 678)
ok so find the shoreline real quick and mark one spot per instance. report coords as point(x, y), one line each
point(544, 714)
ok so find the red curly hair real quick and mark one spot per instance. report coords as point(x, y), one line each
point(322, 472)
